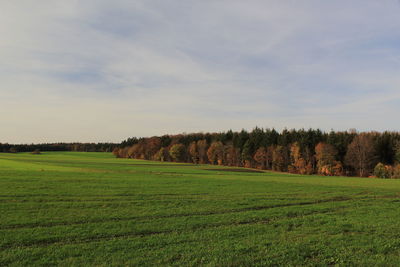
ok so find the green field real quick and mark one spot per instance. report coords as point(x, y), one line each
point(92, 209)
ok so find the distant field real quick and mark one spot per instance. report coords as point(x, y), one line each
point(92, 209)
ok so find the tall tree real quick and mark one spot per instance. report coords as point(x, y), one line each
point(247, 154)
point(194, 152)
point(299, 165)
point(325, 155)
point(231, 155)
point(215, 153)
point(361, 154)
point(202, 148)
point(279, 159)
point(261, 157)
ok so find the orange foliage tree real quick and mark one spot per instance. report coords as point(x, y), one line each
point(325, 155)
point(261, 157)
point(215, 153)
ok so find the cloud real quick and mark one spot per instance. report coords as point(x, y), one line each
point(104, 71)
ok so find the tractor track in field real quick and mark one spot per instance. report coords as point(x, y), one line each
point(154, 217)
point(143, 234)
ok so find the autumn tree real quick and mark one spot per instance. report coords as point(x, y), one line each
point(396, 171)
point(279, 159)
point(137, 151)
point(295, 152)
point(231, 155)
point(325, 155)
point(261, 157)
point(202, 148)
point(299, 164)
point(194, 152)
point(151, 146)
point(215, 153)
point(162, 154)
point(177, 152)
point(361, 154)
point(123, 152)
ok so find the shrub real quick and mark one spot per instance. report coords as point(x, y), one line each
point(396, 172)
point(381, 171)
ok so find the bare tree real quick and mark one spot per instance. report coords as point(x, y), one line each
point(361, 154)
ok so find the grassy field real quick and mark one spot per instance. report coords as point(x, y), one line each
point(92, 209)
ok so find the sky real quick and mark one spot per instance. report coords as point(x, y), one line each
point(103, 71)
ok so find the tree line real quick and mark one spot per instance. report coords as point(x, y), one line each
point(334, 153)
point(82, 147)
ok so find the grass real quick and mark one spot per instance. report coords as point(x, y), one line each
point(92, 209)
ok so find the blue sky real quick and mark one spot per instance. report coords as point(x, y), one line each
point(98, 70)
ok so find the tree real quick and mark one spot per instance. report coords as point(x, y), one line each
point(202, 148)
point(193, 152)
point(385, 148)
point(161, 155)
point(246, 154)
point(215, 153)
point(261, 157)
point(137, 151)
point(231, 155)
point(278, 159)
point(299, 164)
point(151, 147)
point(295, 153)
point(361, 154)
point(397, 152)
point(123, 152)
point(177, 152)
point(270, 152)
point(325, 155)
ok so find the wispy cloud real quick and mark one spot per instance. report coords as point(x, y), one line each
point(103, 71)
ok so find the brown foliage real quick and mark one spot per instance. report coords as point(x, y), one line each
point(216, 153)
point(162, 154)
point(325, 155)
point(150, 147)
point(194, 153)
point(137, 151)
point(299, 164)
point(202, 148)
point(396, 172)
point(295, 153)
point(261, 157)
point(279, 158)
point(231, 155)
